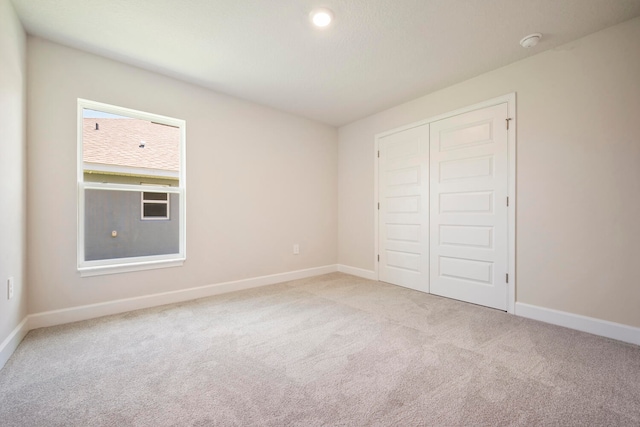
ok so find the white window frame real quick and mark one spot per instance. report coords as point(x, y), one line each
point(158, 202)
point(144, 201)
point(121, 265)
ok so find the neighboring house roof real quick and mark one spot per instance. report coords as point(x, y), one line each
point(117, 142)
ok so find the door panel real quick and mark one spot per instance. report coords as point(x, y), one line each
point(403, 193)
point(468, 212)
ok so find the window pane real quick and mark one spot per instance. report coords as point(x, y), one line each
point(155, 196)
point(123, 220)
point(107, 211)
point(125, 150)
point(155, 210)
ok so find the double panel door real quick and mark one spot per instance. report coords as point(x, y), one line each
point(443, 221)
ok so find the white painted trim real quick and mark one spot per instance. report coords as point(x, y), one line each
point(147, 188)
point(360, 272)
point(511, 193)
point(10, 343)
point(510, 100)
point(604, 328)
point(84, 312)
point(148, 263)
point(129, 112)
point(376, 210)
point(488, 103)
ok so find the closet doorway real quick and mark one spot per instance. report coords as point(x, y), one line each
point(445, 205)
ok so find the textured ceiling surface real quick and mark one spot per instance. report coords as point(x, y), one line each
point(376, 54)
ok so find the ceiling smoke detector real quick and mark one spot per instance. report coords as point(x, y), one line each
point(531, 40)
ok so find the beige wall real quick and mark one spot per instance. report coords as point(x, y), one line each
point(258, 181)
point(12, 169)
point(578, 172)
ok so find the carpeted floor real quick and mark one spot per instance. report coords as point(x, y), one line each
point(330, 350)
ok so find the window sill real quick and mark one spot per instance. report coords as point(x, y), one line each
point(129, 267)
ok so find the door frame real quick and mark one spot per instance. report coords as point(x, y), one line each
point(510, 100)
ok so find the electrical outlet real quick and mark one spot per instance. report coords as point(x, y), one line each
point(296, 249)
point(10, 288)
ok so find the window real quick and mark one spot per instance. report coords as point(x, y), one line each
point(155, 205)
point(131, 189)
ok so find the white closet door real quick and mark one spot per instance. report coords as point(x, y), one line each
point(403, 193)
point(468, 207)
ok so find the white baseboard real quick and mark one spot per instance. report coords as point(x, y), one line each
point(10, 343)
point(616, 331)
point(591, 325)
point(360, 272)
point(84, 312)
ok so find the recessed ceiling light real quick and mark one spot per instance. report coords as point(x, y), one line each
point(531, 40)
point(321, 17)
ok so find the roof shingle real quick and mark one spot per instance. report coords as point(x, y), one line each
point(117, 142)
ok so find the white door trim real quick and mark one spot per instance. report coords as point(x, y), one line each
point(510, 100)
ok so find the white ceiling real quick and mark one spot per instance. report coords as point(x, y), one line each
point(376, 54)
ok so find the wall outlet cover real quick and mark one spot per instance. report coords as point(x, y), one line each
point(10, 288)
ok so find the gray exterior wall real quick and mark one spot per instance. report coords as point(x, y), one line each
point(106, 211)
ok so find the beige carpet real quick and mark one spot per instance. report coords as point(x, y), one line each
point(331, 350)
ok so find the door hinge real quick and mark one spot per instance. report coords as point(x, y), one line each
point(508, 120)
point(378, 205)
point(378, 258)
point(507, 201)
point(507, 277)
point(378, 153)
